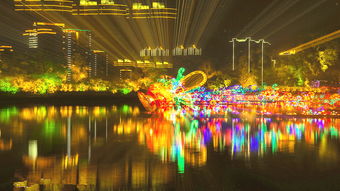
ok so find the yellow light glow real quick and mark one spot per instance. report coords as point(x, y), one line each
point(312, 43)
point(48, 24)
point(4, 46)
point(46, 33)
point(140, 6)
point(155, 17)
point(61, 1)
point(43, 30)
point(158, 5)
point(39, 5)
point(96, 10)
point(29, 9)
point(97, 51)
point(31, 30)
point(125, 70)
point(164, 13)
point(117, 14)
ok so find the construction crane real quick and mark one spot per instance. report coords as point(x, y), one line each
point(312, 43)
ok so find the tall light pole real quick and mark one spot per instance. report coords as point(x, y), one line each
point(262, 63)
point(233, 41)
point(262, 41)
point(249, 40)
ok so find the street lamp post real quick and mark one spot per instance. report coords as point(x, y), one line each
point(249, 40)
point(233, 41)
point(241, 40)
point(262, 41)
point(262, 63)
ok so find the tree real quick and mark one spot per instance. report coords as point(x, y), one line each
point(220, 80)
point(209, 69)
point(327, 58)
point(311, 64)
point(246, 78)
point(79, 68)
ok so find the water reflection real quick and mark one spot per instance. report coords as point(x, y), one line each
point(121, 147)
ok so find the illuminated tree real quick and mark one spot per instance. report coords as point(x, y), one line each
point(327, 58)
point(312, 64)
point(79, 68)
point(221, 80)
point(246, 78)
point(209, 69)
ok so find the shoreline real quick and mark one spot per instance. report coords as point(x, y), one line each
point(69, 98)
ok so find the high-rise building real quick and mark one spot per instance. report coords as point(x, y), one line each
point(156, 52)
point(44, 5)
point(6, 53)
point(142, 64)
point(45, 41)
point(127, 9)
point(189, 51)
point(125, 74)
point(6, 49)
point(99, 7)
point(100, 64)
point(78, 42)
point(54, 43)
point(155, 10)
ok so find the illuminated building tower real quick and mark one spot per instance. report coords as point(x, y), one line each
point(44, 5)
point(157, 10)
point(6, 53)
point(6, 49)
point(45, 41)
point(189, 51)
point(44, 35)
point(134, 10)
point(99, 7)
point(127, 67)
point(125, 74)
point(100, 63)
point(159, 51)
point(106, 65)
point(126, 63)
point(78, 42)
point(69, 55)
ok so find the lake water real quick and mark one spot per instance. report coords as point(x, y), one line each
point(121, 147)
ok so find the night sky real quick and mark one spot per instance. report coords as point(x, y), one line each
point(292, 28)
point(284, 23)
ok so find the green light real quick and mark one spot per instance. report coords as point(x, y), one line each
point(125, 109)
point(49, 127)
point(125, 91)
point(180, 73)
point(7, 113)
point(180, 164)
point(6, 86)
point(274, 142)
point(334, 132)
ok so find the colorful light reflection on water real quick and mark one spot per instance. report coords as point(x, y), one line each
point(78, 145)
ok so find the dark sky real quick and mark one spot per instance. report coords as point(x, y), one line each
point(284, 23)
point(296, 25)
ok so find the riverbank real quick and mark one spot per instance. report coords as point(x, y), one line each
point(69, 98)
